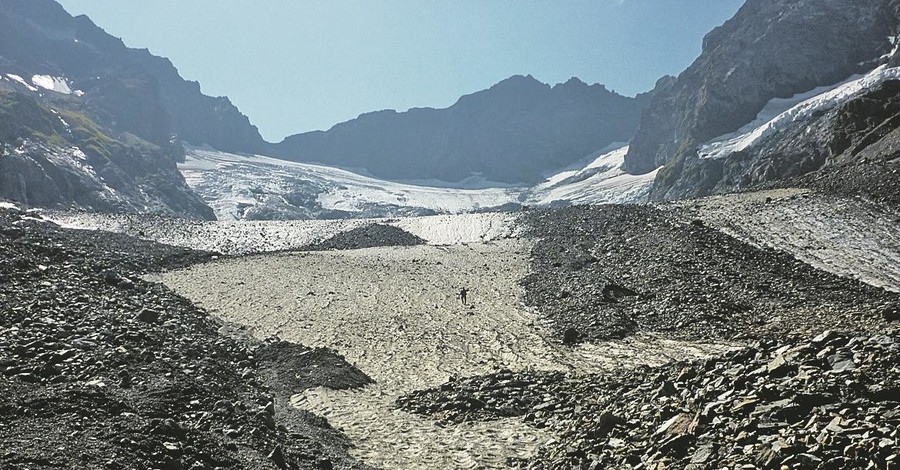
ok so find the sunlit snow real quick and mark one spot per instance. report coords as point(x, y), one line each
point(232, 184)
point(602, 181)
point(57, 84)
point(780, 113)
point(21, 81)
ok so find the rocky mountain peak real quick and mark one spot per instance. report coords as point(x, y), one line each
point(769, 49)
point(513, 132)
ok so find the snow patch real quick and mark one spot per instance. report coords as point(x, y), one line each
point(20, 81)
point(602, 181)
point(57, 84)
point(8, 205)
point(778, 114)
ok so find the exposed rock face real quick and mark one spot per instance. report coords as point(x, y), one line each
point(511, 133)
point(771, 48)
point(54, 156)
point(851, 149)
point(40, 37)
point(89, 123)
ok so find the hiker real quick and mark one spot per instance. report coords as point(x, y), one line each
point(462, 295)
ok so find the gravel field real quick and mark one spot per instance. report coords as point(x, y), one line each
point(610, 271)
point(248, 237)
point(845, 236)
point(100, 369)
point(394, 314)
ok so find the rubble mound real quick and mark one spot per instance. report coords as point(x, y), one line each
point(107, 370)
point(601, 272)
point(827, 402)
point(368, 236)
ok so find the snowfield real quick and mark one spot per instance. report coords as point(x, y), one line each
point(602, 181)
point(257, 187)
point(233, 184)
point(57, 84)
point(779, 113)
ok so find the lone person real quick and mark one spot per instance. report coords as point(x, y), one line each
point(462, 295)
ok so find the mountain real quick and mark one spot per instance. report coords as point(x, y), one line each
point(40, 37)
point(772, 52)
point(515, 132)
point(53, 154)
point(87, 122)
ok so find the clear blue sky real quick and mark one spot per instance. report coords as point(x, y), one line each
point(299, 65)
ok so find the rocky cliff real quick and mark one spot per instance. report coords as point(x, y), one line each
point(86, 122)
point(40, 37)
point(771, 49)
point(513, 132)
point(52, 154)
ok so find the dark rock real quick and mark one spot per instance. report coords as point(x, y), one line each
point(147, 315)
point(112, 278)
point(570, 336)
point(841, 362)
point(277, 457)
point(613, 292)
point(513, 133)
point(369, 236)
point(778, 367)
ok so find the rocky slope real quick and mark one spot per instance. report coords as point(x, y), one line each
point(610, 271)
point(771, 388)
point(106, 370)
point(128, 89)
point(512, 133)
point(52, 154)
point(87, 122)
point(768, 50)
point(828, 401)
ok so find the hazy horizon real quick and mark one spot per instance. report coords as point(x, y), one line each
point(295, 67)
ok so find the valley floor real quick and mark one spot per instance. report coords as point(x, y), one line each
point(677, 335)
point(394, 314)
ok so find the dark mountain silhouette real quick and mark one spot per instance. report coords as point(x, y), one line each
point(513, 132)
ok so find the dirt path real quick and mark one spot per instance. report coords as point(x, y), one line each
point(844, 236)
point(393, 312)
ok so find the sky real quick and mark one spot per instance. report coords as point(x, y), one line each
point(299, 65)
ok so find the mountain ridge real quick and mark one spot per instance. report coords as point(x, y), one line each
point(46, 39)
point(519, 120)
point(770, 49)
